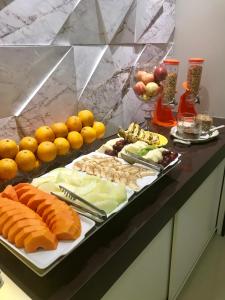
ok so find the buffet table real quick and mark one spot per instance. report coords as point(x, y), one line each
point(151, 230)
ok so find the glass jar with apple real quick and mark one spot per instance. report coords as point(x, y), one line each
point(146, 83)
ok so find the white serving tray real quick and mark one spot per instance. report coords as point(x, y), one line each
point(41, 260)
point(141, 182)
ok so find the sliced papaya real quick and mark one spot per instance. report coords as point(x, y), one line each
point(18, 226)
point(6, 206)
point(53, 207)
point(4, 201)
point(35, 201)
point(48, 202)
point(20, 237)
point(27, 196)
point(10, 192)
point(59, 214)
point(21, 185)
point(5, 216)
point(23, 190)
point(66, 230)
point(40, 239)
point(11, 221)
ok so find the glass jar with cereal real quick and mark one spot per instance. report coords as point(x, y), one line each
point(194, 75)
point(169, 85)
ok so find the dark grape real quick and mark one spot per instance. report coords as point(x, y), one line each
point(168, 157)
point(111, 152)
point(119, 145)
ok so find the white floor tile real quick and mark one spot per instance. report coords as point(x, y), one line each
point(207, 282)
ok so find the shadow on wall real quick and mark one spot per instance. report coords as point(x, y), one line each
point(204, 100)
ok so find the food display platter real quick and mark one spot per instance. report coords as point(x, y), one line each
point(41, 262)
point(141, 182)
point(202, 139)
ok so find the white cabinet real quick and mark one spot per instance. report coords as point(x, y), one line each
point(147, 277)
point(194, 226)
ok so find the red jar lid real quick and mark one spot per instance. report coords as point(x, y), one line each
point(171, 61)
point(196, 59)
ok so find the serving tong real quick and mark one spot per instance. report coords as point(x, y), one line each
point(134, 158)
point(89, 210)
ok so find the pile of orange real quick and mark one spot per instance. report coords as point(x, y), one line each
point(47, 143)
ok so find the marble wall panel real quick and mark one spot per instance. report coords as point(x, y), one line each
point(35, 22)
point(126, 31)
point(103, 89)
point(163, 27)
point(147, 12)
point(79, 56)
point(154, 53)
point(4, 3)
point(86, 59)
point(75, 22)
point(54, 101)
point(84, 26)
point(112, 13)
point(8, 128)
point(22, 69)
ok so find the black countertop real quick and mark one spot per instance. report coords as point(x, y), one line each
point(90, 270)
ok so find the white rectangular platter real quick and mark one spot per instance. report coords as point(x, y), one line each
point(141, 182)
point(41, 262)
point(42, 259)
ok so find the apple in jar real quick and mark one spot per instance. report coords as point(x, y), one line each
point(148, 77)
point(152, 89)
point(160, 73)
point(145, 97)
point(139, 75)
point(139, 88)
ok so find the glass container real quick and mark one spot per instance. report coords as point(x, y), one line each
point(194, 75)
point(146, 89)
point(188, 126)
point(169, 84)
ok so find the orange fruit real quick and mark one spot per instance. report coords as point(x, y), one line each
point(75, 139)
point(26, 160)
point(62, 146)
point(44, 133)
point(46, 151)
point(8, 168)
point(28, 143)
point(99, 127)
point(74, 123)
point(60, 129)
point(89, 134)
point(37, 164)
point(86, 117)
point(8, 148)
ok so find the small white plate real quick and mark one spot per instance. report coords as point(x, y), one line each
point(202, 139)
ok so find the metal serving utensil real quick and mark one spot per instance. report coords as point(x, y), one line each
point(154, 165)
point(81, 210)
point(132, 159)
point(75, 197)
